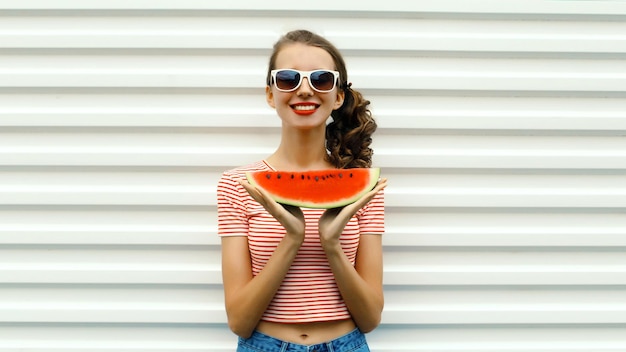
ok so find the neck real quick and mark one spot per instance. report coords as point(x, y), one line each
point(300, 150)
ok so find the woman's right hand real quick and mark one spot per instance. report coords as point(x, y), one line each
point(291, 217)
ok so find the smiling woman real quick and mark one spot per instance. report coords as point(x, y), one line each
point(296, 278)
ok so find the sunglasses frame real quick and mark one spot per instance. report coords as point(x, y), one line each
point(303, 75)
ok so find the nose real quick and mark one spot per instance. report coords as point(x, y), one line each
point(305, 88)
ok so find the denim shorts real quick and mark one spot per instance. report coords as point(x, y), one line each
point(351, 342)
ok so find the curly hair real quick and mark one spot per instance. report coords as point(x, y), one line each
point(349, 135)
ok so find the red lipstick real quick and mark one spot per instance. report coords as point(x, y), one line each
point(304, 108)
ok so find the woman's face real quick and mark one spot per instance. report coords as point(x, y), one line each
point(304, 107)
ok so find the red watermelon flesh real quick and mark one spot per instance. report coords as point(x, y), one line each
point(323, 189)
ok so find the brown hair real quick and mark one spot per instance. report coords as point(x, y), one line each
point(348, 136)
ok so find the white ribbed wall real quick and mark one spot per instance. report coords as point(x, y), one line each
point(502, 132)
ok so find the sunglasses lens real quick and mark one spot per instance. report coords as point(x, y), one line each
point(323, 80)
point(287, 79)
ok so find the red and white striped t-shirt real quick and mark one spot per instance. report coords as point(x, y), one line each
point(309, 292)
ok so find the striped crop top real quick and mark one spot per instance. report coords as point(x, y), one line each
point(308, 292)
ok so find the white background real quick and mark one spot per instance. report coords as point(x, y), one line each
point(502, 129)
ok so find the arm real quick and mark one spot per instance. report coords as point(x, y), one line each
point(360, 285)
point(247, 296)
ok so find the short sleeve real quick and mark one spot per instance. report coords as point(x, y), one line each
point(232, 219)
point(372, 216)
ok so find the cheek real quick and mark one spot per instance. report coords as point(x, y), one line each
point(281, 100)
point(276, 99)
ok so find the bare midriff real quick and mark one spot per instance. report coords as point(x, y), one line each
point(307, 333)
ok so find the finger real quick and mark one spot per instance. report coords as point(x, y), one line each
point(268, 200)
point(371, 194)
point(265, 199)
point(382, 183)
point(253, 191)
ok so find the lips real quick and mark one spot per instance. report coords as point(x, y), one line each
point(304, 108)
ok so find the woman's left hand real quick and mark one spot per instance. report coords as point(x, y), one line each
point(333, 221)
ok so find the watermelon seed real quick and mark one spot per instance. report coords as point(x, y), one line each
point(292, 176)
point(351, 174)
point(317, 178)
point(302, 176)
point(278, 176)
point(340, 175)
point(268, 176)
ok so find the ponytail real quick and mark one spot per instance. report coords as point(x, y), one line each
point(349, 135)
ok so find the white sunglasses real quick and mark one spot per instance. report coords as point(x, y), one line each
point(288, 80)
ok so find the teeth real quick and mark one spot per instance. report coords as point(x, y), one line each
point(304, 107)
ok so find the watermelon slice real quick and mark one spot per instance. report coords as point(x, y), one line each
point(322, 189)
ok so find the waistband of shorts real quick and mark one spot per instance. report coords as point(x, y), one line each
point(349, 341)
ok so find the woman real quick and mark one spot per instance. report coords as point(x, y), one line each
point(305, 279)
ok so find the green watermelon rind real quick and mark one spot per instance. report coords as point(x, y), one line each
point(373, 180)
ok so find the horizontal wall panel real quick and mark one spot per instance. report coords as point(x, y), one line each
point(120, 304)
point(227, 32)
point(434, 190)
point(203, 304)
point(82, 225)
point(169, 265)
point(93, 274)
point(421, 113)
point(115, 337)
point(536, 228)
point(187, 226)
point(427, 190)
point(526, 338)
point(89, 148)
point(453, 305)
point(472, 74)
point(532, 7)
point(506, 266)
point(144, 338)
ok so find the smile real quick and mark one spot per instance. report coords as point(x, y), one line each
point(304, 107)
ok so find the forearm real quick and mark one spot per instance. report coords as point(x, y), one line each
point(246, 303)
point(364, 299)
